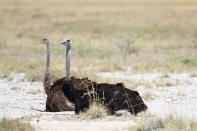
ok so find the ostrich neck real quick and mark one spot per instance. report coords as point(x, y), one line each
point(48, 61)
point(68, 62)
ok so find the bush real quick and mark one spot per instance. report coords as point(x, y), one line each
point(192, 61)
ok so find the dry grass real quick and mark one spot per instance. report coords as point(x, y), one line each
point(165, 76)
point(96, 110)
point(147, 95)
point(96, 106)
point(165, 83)
point(193, 75)
point(169, 123)
point(146, 83)
point(14, 125)
point(166, 33)
point(34, 92)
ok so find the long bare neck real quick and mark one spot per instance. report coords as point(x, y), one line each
point(68, 62)
point(48, 61)
point(47, 79)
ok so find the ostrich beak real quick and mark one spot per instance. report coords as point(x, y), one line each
point(64, 43)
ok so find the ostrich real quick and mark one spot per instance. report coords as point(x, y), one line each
point(114, 96)
point(56, 100)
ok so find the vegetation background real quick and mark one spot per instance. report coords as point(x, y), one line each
point(107, 35)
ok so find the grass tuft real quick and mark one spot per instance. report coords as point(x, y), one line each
point(96, 110)
point(34, 92)
point(170, 123)
point(191, 61)
point(147, 95)
point(193, 75)
point(14, 125)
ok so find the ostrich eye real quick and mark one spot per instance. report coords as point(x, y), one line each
point(138, 98)
point(45, 39)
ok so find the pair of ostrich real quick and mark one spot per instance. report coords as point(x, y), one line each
point(73, 94)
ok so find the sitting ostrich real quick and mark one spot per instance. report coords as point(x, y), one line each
point(114, 96)
point(56, 100)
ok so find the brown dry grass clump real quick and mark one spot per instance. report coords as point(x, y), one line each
point(96, 110)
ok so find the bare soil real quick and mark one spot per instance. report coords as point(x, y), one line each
point(26, 100)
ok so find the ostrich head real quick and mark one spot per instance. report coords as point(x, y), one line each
point(45, 41)
point(67, 42)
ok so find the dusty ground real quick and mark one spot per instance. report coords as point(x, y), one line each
point(27, 100)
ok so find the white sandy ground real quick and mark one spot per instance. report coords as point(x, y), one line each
point(24, 99)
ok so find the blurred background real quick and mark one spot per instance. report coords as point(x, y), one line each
point(108, 35)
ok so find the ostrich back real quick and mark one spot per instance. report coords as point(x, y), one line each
point(114, 96)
